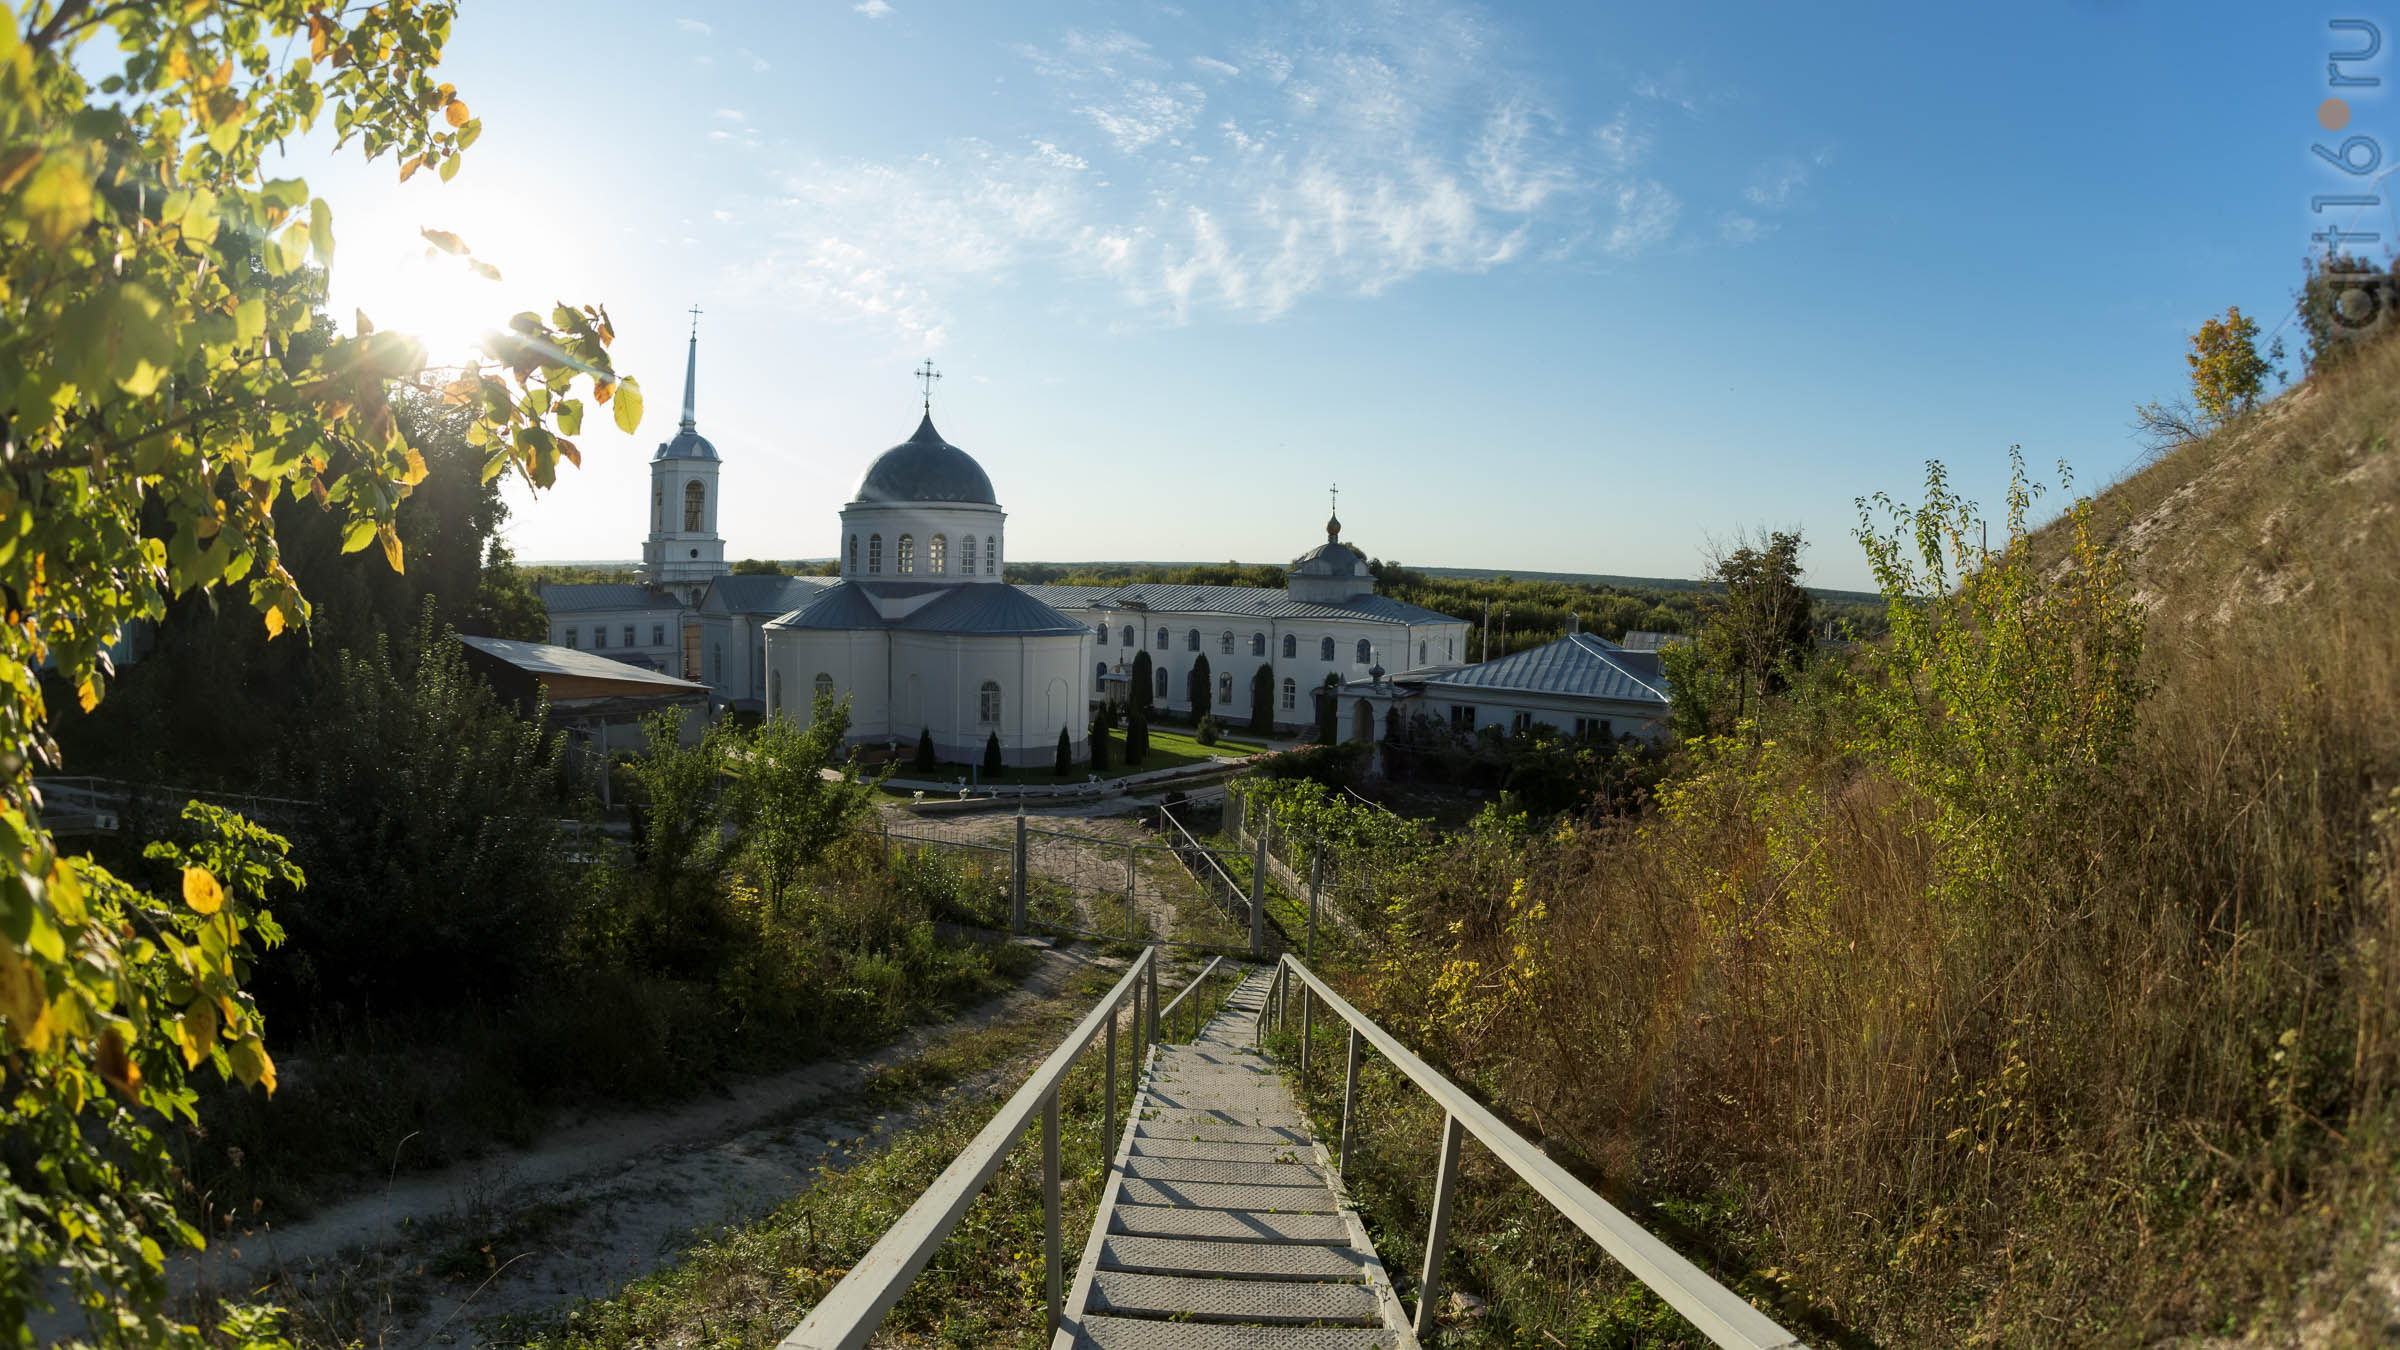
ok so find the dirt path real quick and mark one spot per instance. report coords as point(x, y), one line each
point(444, 1258)
point(1083, 851)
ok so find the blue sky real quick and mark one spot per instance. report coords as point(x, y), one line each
point(1566, 289)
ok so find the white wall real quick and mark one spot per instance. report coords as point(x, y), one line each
point(1394, 644)
point(667, 655)
point(901, 683)
point(921, 521)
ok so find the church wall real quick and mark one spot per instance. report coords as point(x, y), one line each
point(859, 663)
point(666, 654)
point(1043, 687)
point(921, 522)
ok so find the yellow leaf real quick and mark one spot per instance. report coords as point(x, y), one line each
point(274, 622)
point(115, 1065)
point(456, 113)
point(201, 891)
point(252, 1065)
point(391, 546)
point(416, 468)
point(88, 694)
point(196, 1031)
point(22, 996)
point(410, 165)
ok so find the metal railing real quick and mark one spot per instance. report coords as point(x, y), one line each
point(1187, 1000)
point(1720, 1314)
point(849, 1315)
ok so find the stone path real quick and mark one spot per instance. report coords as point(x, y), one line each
point(1223, 1226)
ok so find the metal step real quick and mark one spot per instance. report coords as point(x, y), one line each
point(1118, 1293)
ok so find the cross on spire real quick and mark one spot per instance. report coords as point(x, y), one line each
point(695, 313)
point(691, 367)
point(1336, 508)
point(926, 375)
point(1333, 515)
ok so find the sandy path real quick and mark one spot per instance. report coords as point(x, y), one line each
point(592, 1206)
point(1091, 864)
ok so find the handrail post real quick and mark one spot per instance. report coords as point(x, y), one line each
point(1153, 982)
point(1316, 872)
point(1056, 1246)
point(1341, 1160)
point(1016, 887)
point(1445, 1183)
point(1305, 1009)
point(1258, 900)
point(1108, 1112)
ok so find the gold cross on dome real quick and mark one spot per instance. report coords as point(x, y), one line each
point(926, 375)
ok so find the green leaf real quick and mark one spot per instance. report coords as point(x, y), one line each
point(360, 534)
point(570, 416)
point(320, 230)
point(628, 404)
point(249, 319)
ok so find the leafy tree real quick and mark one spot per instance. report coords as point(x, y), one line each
point(1197, 686)
point(1137, 735)
point(164, 387)
point(993, 765)
point(432, 848)
point(1064, 764)
point(786, 811)
point(1141, 681)
point(1761, 623)
point(757, 567)
point(1262, 699)
point(678, 788)
point(505, 606)
point(926, 760)
point(1104, 718)
point(1207, 732)
point(2342, 300)
point(2227, 371)
point(1328, 722)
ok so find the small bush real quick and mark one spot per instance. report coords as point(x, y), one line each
point(1207, 735)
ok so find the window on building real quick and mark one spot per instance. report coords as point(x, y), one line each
point(907, 554)
point(629, 636)
point(1100, 631)
point(1128, 636)
point(823, 686)
point(1291, 646)
point(1291, 694)
point(716, 663)
point(658, 635)
point(1450, 649)
point(1591, 729)
point(1325, 650)
point(991, 555)
point(1162, 639)
point(695, 506)
point(987, 707)
point(1162, 684)
point(599, 636)
point(1225, 642)
point(874, 553)
point(1462, 717)
point(854, 555)
point(1521, 724)
point(658, 506)
point(937, 554)
point(966, 555)
point(1258, 644)
point(1099, 673)
point(1366, 653)
point(1420, 653)
point(570, 637)
point(1224, 689)
point(1191, 641)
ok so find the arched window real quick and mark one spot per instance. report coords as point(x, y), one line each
point(1128, 636)
point(1258, 644)
point(1099, 672)
point(1162, 639)
point(1191, 641)
point(716, 663)
point(1100, 631)
point(1224, 689)
point(695, 505)
point(966, 556)
point(1366, 653)
point(875, 553)
point(908, 554)
point(774, 692)
point(937, 554)
point(1291, 646)
point(658, 506)
point(1291, 695)
point(987, 706)
point(1162, 684)
point(1325, 650)
point(1450, 649)
point(1225, 643)
point(1420, 653)
point(823, 685)
point(854, 555)
point(991, 554)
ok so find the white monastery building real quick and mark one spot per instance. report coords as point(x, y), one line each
point(921, 634)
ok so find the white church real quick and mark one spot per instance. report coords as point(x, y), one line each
point(920, 633)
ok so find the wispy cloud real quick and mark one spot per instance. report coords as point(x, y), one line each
point(873, 9)
point(693, 26)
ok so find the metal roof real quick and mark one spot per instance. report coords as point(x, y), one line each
point(730, 594)
point(975, 608)
point(1069, 597)
point(540, 658)
point(569, 599)
point(1260, 602)
point(1641, 640)
point(1578, 664)
point(926, 468)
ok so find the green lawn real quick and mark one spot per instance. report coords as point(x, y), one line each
point(1168, 750)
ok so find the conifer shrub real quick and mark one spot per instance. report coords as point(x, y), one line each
point(1064, 764)
point(993, 765)
point(925, 760)
point(1104, 718)
point(1262, 699)
point(1207, 732)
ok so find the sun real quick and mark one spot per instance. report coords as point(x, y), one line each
point(447, 282)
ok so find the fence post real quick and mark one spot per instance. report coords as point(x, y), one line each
point(1258, 901)
point(1055, 1247)
point(1132, 871)
point(1445, 1184)
point(1349, 1102)
point(1016, 888)
point(1316, 875)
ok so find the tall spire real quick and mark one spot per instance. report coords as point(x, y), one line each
point(691, 368)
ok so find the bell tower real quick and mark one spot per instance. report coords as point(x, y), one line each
point(683, 549)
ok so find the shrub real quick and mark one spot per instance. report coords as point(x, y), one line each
point(1262, 699)
point(1137, 735)
point(1198, 687)
point(993, 765)
point(1207, 734)
point(1142, 680)
point(1103, 718)
point(1064, 764)
point(925, 760)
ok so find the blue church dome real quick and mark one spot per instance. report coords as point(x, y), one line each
point(925, 468)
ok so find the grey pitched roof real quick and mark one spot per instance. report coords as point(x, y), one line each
point(1260, 602)
point(978, 608)
point(731, 594)
point(1578, 664)
point(568, 599)
point(540, 658)
point(1069, 597)
point(926, 468)
point(1641, 640)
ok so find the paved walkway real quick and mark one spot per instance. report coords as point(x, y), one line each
point(1223, 1227)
